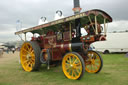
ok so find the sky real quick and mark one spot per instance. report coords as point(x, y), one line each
point(29, 12)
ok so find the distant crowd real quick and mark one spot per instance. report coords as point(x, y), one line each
point(8, 50)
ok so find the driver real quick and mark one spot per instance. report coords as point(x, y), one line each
point(91, 29)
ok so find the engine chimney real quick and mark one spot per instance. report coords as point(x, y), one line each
point(77, 10)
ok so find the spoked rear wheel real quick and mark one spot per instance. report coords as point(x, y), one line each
point(73, 66)
point(94, 62)
point(30, 56)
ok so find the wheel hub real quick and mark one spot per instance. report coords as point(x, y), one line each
point(28, 56)
point(71, 65)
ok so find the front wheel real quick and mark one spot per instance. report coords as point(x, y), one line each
point(94, 62)
point(73, 66)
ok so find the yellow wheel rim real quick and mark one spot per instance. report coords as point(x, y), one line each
point(72, 66)
point(93, 63)
point(27, 57)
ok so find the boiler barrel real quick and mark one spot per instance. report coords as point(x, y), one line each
point(69, 46)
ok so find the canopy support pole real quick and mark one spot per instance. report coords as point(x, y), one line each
point(25, 36)
point(91, 23)
point(20, 37)
point(70, 28)
point(105, 29)
point(96, 25)
point(33, 34)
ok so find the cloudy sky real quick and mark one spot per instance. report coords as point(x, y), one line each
point(29, 12)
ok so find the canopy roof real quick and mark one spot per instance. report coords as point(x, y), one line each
point(84, 17)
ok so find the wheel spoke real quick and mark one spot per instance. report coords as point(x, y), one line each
point(25, 50)
point(27, 66)
point(97, 66)
point(25, 62)
point(32, 52)
point(98, 61)
point(74, 61)
point(94, 68)
point(97, 58)
point(27, 46)
point(31, 65)
point(90, 67)
point(77, 65)
point(70, 60)
point(78, 71)
point(72, 73)
point(23, 55)
point(67, 66)
point(75, 74)
point(30, 49)
point(33, 56)
point(32, 60)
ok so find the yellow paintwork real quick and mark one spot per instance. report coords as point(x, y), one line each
point(72, 66)
point(93, 63)
point(27, 57)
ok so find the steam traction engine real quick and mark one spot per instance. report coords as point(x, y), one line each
point(62, 40)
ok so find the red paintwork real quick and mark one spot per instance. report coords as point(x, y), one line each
point(57, 48)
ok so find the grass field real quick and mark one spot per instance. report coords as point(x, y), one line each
point(114, 72)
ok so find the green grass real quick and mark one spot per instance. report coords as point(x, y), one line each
point(114, 72)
